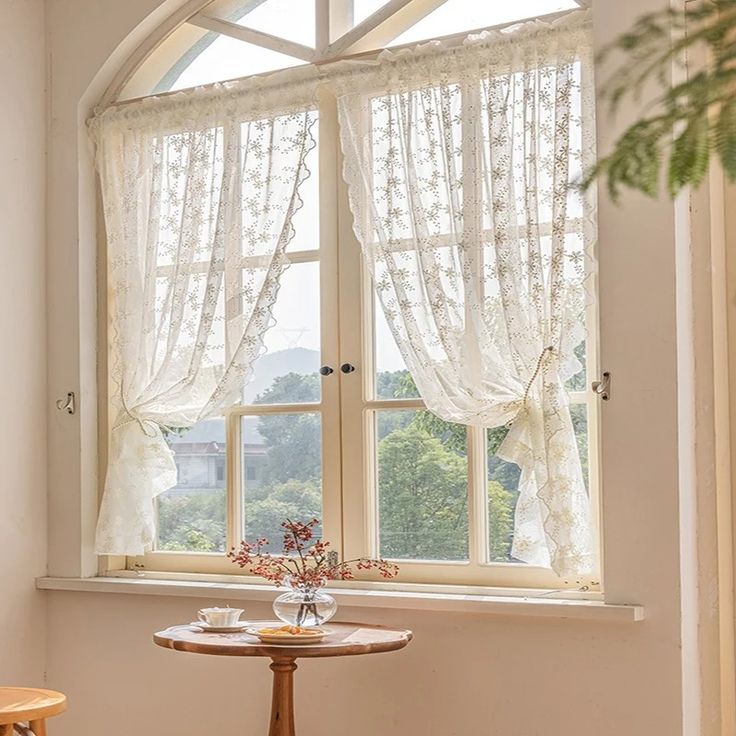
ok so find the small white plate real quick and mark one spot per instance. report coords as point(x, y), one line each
point(240, 626)
point(315, 634)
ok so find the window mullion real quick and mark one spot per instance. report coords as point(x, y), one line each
point(355, 347)
point(394, 18)
point(321, 25)
point(477, 506)
point(233, 275)
point(330, 318)
point(234, 480)
point(334, 18)
point(473, 230)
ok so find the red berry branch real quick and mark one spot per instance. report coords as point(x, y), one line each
point(304, 561)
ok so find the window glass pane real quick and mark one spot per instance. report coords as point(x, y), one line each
point(227, 58)
point(503, 491)
point(422, 476)
point(408, 124)
point(306, 219)
point(393, 380)
point(526, 108)
point(503, 485)
point(578, 382)
point(282, 473)
point(363, 8)
point(287, 372)
point(290, 19)
point(579, 414)
point(456, 16)
point(191, 516)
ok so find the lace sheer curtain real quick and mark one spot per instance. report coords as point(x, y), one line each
point(199, 191)
point(460, 164)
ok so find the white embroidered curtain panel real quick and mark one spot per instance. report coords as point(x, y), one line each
point(461, 166)
point(199, 190)
point(459, 163)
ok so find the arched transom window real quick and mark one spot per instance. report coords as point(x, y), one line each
point(229, 39)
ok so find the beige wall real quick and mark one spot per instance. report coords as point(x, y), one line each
point(23, 330)
point(464, 673)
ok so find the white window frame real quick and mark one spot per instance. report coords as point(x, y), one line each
point(347, 407)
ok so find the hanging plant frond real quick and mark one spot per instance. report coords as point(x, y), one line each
point(692, 120)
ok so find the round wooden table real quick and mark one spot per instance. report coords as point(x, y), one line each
point(345, 639)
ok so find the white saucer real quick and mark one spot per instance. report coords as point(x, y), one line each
point(240, 626)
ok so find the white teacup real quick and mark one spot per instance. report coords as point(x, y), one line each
point(220, 617)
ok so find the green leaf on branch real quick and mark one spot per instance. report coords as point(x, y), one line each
point(689, 158)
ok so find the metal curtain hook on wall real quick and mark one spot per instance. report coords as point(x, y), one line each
point(603, 387)
point(69, 403)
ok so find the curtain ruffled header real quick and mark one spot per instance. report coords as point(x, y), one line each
point(212, 105)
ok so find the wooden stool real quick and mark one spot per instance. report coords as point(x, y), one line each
point(30, 704)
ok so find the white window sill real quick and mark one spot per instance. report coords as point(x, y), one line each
point(504, 605)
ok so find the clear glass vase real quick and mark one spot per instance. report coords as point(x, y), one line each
point(304, 605)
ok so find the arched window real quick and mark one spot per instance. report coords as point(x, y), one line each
point(331, 424)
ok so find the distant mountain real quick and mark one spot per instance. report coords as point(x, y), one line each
point(267, 368)
point(272, 365)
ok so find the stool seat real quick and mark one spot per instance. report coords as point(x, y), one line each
point(29, 704)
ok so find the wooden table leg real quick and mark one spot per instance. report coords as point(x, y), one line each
point(282, 699)
point(38, 727)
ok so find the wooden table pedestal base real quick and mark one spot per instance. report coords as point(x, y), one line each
point(282, 699)
point(343, 639)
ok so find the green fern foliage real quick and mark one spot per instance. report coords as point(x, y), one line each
point(691, 120)
point(725, 135)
